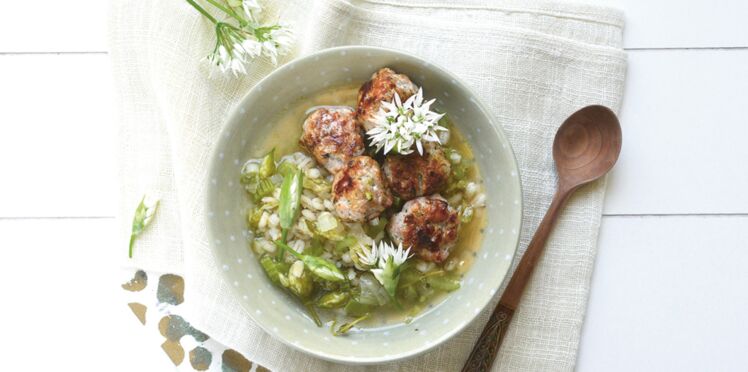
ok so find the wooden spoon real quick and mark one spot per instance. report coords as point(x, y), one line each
point(585, 148)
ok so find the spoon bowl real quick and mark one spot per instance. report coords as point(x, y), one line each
point(586, 146)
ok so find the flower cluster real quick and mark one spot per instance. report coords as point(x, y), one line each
point(238, 44)
point(400, 125)
point(384, 261)
point(380, 254)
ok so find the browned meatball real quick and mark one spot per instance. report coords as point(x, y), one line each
point(382, 87)
point(415, 175)
point(359, 192)
point(428, 225)
point(332, 136)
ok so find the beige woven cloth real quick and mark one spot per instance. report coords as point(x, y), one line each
point(533, 63)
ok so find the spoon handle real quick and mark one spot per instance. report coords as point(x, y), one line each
point(487, 346)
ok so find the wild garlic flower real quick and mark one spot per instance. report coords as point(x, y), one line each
point(234, 47)
point(239, 43)
point(252, 9)
point(275, 41)
point(399, 256)
point(390, 260)
point(400, 125)
point(369, 257)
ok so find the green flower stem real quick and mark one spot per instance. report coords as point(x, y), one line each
point(202, 11)
point(132, 241)
point(242, 22)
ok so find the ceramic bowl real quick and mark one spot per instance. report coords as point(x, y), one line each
point(280, 315)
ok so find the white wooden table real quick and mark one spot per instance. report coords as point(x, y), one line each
point(670, 288)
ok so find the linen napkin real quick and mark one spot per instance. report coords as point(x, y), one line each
point(532, 63)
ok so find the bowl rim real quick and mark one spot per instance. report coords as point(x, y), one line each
point(497, 129)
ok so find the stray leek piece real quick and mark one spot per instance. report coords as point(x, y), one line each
point(143, 216)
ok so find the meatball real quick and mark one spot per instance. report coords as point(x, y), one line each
point(382, 87)
point(333, 137)
point(414, 175)
point(428, 225)
point(359, 192)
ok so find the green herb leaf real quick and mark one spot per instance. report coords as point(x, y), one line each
point(290, 199)
point(265, 187)
point(319, 266)
point(345, 327)
point(315, 247)
point(390, 276)
point(253, 217)
point(289, 204)
point(323, 268)
point(143, 216)
point(267, 167)
point(466, 215)
point(273, 269)
point(333, 300)
point(317, 185)
point(298, 281)
point(443, 283)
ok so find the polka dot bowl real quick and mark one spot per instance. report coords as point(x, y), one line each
point(283, 317)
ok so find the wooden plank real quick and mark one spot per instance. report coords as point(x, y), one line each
point(53, 26)
point(668, 294)
point(684, 133)
point(80, 25)
point(677, 24)
point(62, 302)
point(56, 136)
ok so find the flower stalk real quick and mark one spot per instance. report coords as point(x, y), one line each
point(238, 44)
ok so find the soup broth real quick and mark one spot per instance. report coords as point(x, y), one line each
point(284, 138)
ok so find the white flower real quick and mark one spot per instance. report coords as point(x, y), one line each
point(400, 125)
point(369, 257)
point(399, 256)
point(235, 47)
point(252, 9)
point(251, 47)
point(275, 41)
point(390, 259)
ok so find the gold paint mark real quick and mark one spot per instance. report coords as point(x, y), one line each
point(138, 310)
point(137, 283)
point(170, 289)
point(235, 362)
point(174, 350)
point(173, 327)
point(262, 369)
point(200, 358)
